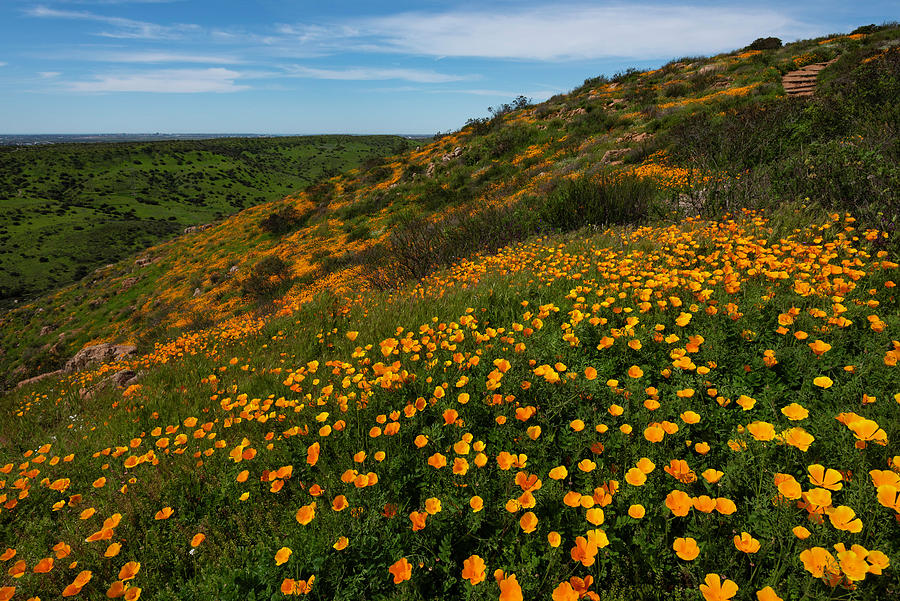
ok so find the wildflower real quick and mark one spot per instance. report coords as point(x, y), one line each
point(829, 479)
point(564, 592)
point(401, 570)
point(283, 554)
point(635, 477)
point(636, 511)
point(795, 412)
point(823, 382)
point(474, 569)
point(844, 518)
point(510, 589)
point(679, 502)
point(746, 543)
point(767, 594)
point(418, 520)
point(306, 513)
point(686, 548)
point(716, 590)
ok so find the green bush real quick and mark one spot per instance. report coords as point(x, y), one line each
point(577, 203)
point(269, 277)
point(284, 220)
point(765, 44)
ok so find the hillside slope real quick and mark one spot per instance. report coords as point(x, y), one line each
point(704, 134)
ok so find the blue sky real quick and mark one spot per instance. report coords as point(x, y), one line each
point(283, 66)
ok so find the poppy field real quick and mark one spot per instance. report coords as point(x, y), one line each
point(697, 410)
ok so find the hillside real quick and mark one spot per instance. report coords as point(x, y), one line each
point(91, 205)
point(635, 342)
point(699, 134)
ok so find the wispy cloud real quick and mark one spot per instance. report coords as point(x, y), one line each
point(644, 30)
point(154, 57)
point(164, 81)
point(2, 64)
point(374, 74)
point(49, 74)
point(122, 27)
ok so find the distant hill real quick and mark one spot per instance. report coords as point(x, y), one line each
point(66, 209)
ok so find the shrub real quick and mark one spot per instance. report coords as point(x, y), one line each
point(576, 203)
point(765, 44)
point(283, 220)
point(268, 277)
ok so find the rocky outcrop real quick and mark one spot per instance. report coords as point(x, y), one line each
point(120, 379)
point(614, 156)
point(35, 379)
point(456, 152)
point(98, 353)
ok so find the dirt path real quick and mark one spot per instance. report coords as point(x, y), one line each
point(802, 82)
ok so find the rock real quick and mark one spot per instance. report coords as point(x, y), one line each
point(233, 269)
point(711, 68)
point(633, 137)
point(98, 353)
point(197, 292)
point(429, 171)
point(615, 102)
point(128, 283)
point(452, 155)
point(143, 262)
point(190, 229)
point(124, 378)
point(46, 330)
point(613, 155)
point(51, 374)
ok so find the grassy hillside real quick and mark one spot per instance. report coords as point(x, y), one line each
point(700, 135)
point(66, 209)
point(511, 364)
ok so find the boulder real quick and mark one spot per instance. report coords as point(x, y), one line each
point(613, 155)
point(98, 353)
point(452, 155)
point(124, 378)
point(51, 374)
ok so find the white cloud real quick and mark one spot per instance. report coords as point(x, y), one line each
point(580, 32)
point(164, 81)
point(158, 57)
point(49, 74)
point(124, 28)
point(374, 73)
point(2, 64)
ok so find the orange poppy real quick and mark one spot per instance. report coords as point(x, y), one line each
point(401, 570)
point(686, 548)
